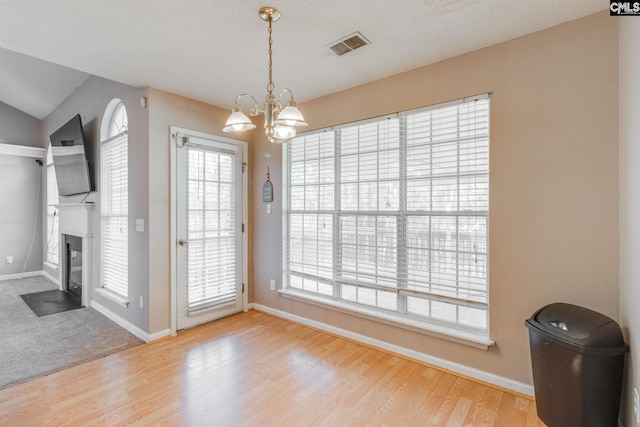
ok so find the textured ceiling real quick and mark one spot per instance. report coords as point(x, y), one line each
point(213, 50)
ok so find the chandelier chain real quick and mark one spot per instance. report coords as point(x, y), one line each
point(270, 86)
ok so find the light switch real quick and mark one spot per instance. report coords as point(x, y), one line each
point(268, 208)
point(140, 225)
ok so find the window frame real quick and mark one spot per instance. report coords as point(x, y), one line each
point(114, 134)
point(458, 332)
point(52, 256)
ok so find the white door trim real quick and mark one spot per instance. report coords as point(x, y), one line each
point(175, 136)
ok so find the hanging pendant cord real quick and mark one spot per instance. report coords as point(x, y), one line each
point(270, 85)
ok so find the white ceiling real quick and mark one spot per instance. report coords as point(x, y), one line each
point(33, 86)
point(213, 50)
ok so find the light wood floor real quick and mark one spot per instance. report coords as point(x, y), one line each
point(253, 369)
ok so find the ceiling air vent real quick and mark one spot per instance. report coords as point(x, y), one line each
point(349, 43)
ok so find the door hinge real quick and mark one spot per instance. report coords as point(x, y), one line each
point(243, 288)
point(243, 166)
point(243, 227)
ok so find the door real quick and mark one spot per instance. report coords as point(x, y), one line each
point(209, 251)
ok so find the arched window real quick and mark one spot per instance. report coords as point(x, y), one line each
point(53, 256)
point(114, 200)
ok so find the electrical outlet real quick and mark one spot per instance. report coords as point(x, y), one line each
point(272, 284)
point(141, 301)
point(636, 405)
point(9, 259)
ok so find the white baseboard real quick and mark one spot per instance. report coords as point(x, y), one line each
point(4, 277)
point(160, 334)
point(144, 336)
point(403, 351)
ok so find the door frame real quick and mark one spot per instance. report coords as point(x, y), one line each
point(176, 134)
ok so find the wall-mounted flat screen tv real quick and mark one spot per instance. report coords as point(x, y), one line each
point(70, 158)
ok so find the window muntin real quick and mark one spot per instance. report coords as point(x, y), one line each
point(118, 121)
point(392, 214)
point(114, 203)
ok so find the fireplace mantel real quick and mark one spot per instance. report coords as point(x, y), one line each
point(76, 219)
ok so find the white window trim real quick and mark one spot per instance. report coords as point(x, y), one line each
point(55, 267)
point(475, 339)
point(51, 263)
point(472, 337)
point(107, 138)
point(115, 297)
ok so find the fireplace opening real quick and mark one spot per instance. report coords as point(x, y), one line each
point(73, 275)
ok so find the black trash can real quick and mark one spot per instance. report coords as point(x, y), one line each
point(577, 356)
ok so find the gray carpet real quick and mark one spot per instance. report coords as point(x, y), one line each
point(32, 346)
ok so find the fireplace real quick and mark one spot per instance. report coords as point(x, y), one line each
point(73, 267)
point(76, 229)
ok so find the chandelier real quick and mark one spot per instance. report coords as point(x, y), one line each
point(279, 123)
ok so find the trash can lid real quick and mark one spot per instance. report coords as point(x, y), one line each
point(578, 326)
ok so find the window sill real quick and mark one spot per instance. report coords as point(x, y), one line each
point(51, 266)
point(473, 339)
point(110, 295)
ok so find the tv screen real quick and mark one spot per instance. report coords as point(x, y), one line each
point(70, 158)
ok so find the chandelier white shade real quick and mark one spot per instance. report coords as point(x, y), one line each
point(279, 123)
point(238, 122)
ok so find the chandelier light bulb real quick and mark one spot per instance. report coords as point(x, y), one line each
point(238, 122)
point(284, 131)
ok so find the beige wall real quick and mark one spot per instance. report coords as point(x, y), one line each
point(630, 203)
point(554, 182)
point(165, 110)
point(90, 100)
point(149, 181)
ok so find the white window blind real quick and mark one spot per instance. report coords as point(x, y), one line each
point(114, 213)
point(311, 212)
point(391, 214)
point(210, 227)
point(53, 220)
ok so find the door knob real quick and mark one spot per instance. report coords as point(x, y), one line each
point(182, 242)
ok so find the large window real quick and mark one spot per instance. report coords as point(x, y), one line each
point(53, 234)
point(114, 195)
point(389, 217)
